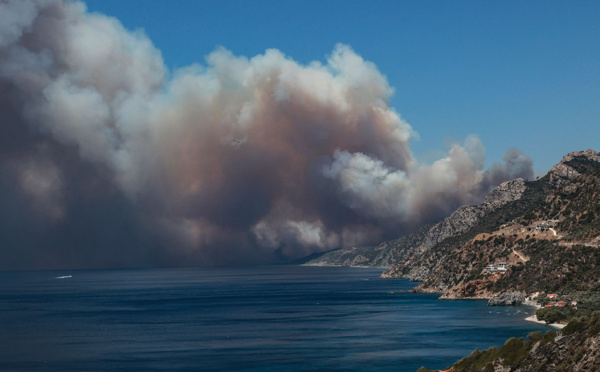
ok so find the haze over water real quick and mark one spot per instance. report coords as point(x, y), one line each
point(275, 318)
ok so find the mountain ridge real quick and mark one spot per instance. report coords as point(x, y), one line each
point(449, 258)
point(541, 233)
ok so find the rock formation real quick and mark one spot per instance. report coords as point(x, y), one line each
point(507, 299)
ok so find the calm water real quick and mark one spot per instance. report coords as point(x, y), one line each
point(281, 318)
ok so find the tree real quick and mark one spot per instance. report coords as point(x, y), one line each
point(550, 315)
point(535, 336)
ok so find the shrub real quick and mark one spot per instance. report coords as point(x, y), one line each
point(513, 351)
point(550, 336)
point(535, 336)
point(575, 325)
point(579, 353)
point(489, 368)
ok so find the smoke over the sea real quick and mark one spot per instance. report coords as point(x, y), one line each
point(108, 159)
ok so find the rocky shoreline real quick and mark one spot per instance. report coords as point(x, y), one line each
point(511, 298)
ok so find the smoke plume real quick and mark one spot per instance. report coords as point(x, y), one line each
point(109, 160)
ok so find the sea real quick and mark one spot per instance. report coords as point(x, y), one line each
point(268, 318)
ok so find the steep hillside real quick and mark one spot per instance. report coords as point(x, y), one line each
point(414, 245)
point(550, 246)
point(417, 255)
point(489, 216)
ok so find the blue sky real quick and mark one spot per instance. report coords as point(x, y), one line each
point(522, 74)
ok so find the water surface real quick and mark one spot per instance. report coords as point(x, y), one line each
point(272, 318)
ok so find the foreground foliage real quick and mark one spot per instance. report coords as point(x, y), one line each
point(575, 348)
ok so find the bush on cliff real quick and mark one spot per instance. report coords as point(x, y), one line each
point(535, 336)
point(513, 351)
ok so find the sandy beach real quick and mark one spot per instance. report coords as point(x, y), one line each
point(534, 319)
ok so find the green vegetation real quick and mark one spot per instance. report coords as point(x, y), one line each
point(576, 205)
point(553, 314)
point(519, 353)
point(575, 325)
point(535, 336)
point(513, 352)
point(553, 268)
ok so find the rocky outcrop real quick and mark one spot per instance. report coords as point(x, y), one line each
point(507, 299)
point(459, 221)
point(507, 192)
point(571, 166)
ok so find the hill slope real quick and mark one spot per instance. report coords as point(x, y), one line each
point(552, 247)
point(519, 233)
point(402, 249)
point(418, 255)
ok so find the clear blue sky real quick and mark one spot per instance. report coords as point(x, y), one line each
point(522, 74)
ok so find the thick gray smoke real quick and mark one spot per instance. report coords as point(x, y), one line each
point(106, 161)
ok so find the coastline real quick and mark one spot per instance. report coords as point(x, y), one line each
point(534, 318)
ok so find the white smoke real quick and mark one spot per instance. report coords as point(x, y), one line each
point(233, 159)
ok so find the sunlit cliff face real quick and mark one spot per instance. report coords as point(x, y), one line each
point(105, 161)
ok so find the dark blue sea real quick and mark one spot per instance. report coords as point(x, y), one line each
point(272, 318)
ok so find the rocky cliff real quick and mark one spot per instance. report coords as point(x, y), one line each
point(572, 166)
point(507, 299)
